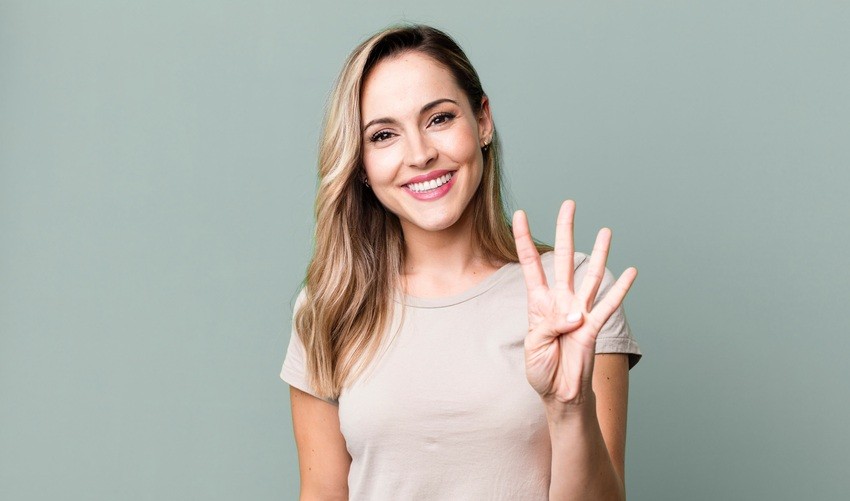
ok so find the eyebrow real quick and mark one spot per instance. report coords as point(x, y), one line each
point(423, 110)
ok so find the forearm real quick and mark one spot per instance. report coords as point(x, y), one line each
point(581, 466)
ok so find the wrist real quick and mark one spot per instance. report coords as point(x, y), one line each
point(582, 407)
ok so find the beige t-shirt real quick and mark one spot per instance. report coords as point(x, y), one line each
point(446, 411)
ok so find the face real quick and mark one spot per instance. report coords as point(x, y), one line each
point(421, 141)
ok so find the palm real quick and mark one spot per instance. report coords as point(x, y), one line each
point(559, 353)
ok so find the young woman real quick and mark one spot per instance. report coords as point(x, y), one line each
point(435, 353)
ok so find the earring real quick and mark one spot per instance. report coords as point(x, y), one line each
point(486, 146)
point(364, 179)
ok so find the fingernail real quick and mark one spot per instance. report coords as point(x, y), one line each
point(574, 317)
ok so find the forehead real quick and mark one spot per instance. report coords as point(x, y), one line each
point(400, 85)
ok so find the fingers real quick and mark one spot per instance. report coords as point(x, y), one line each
point(612, 300)
point(565, 249)
point(596, 268)
point(529, 258)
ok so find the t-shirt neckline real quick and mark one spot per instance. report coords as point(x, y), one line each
point(443, 301)
point(474, 291)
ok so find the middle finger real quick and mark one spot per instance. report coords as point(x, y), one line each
point(565, 250)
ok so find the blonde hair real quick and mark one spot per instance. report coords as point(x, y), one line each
point(359, 246)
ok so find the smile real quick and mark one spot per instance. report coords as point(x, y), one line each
point(433, 189)
point(430, 185)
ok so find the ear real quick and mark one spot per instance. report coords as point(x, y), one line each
point(485, 122)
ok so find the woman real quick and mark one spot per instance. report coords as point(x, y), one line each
point(435, 354)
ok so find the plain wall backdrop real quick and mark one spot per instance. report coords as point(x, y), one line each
point(156, 196)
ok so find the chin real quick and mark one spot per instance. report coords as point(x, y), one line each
point(441, 223)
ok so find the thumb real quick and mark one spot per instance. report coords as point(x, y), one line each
point(569, 322)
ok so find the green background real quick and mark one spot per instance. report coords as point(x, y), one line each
point(158, 175)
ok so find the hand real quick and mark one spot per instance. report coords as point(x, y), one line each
point(562, 325)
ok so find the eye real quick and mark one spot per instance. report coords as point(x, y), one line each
point(442, 118)
point(379, 136)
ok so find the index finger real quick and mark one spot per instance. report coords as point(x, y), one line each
point(529, 258)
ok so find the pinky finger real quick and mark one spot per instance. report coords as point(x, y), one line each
point(603, 310)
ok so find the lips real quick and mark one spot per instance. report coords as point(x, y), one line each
point(427, 177)
point(431, 187)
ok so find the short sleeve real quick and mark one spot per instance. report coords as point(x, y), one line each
point(294, 370)
point(615, 335)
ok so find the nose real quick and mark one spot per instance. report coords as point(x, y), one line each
point(419, 152)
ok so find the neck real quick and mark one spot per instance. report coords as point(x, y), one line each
point(449, 252)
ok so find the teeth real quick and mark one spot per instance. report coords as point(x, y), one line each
point(430, 185)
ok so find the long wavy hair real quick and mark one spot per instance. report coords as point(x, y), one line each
point(346, 302)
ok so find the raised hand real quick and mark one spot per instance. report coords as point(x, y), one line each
point(562, 325)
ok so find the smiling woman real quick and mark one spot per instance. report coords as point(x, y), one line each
point(429, 357)
point(418, 145)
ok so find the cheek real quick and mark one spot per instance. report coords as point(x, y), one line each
point(461, 146)
point(378, 165)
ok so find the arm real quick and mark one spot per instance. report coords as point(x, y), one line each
point(611, 386)
point(323, 459)
point(588, 443)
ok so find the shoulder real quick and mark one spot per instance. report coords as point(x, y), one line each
point(300, 299)
point(296, 305)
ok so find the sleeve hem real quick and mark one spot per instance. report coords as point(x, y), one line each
point(298, 382)
point(621, 345)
